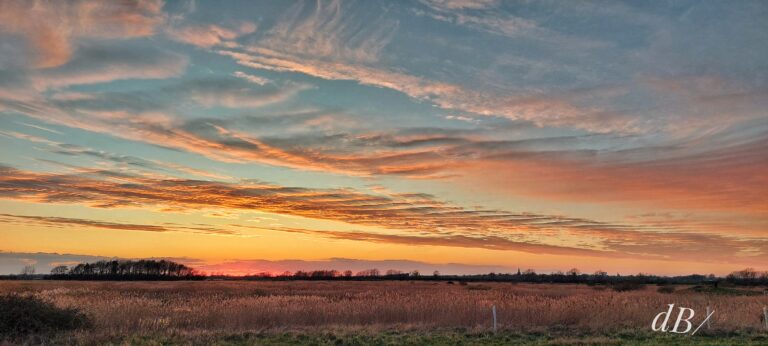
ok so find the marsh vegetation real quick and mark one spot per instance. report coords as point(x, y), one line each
point(202, 309)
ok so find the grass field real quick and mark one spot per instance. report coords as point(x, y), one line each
point(320, 312)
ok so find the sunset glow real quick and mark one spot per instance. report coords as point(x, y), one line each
point(460, 136)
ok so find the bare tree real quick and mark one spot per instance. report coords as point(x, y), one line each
point(368, 272)
point(28, 270)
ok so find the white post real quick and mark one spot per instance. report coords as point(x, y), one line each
point(709, 325)
point(765, 317)
point(494, 318)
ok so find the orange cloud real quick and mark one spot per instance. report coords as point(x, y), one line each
point(426, 220)
point(728, 178)
point(686, 173)
point(59, 222)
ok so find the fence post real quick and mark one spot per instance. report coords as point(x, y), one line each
point(493, 308)
point(765, 317)
point(709, 325)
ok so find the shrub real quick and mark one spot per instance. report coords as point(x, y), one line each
point(627, 286)
point(666, 289)
point(30, 315)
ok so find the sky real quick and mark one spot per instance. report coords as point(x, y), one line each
point(462, 135)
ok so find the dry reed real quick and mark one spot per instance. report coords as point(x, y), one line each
point(123, 308)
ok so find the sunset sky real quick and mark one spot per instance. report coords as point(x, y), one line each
point(460, 135)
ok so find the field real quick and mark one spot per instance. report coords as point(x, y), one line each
point(333, 312)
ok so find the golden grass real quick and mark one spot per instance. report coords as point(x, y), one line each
point(124, 308)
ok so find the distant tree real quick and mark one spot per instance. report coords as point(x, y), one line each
point(415, 273)
point(748, 274)
point(600, 273)
point(59, 270)
point(324, 274)
point(393, 272)
point(573, 272)
point(347, 273)
point(28, 270)
point(368, 273)
point(436, 273)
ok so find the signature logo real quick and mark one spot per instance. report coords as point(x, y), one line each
point(684, 318)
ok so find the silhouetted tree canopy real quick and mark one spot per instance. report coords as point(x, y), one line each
point(125, 270)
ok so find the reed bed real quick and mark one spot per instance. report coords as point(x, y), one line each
point(124, 308)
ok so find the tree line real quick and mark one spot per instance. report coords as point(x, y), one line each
point(169, 270)
point(125, 270)
point(748, 276)
point(530, 276)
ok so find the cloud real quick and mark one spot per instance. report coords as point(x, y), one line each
point(251, 78)
point(685, 175)
point(207, 36)
point(424, 219)
point(236, 93)
point(543, 167)
point(461, 4)
point(52, 28)
point(64, 222)
point(326, 42)
point(91, 64)
point(105, 63)
point(326, 31)
point(490, 17)
point(123, 160)
point(486, 242)
point(118, 161)
point(491, 21)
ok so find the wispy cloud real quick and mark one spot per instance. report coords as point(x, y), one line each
point(52, 27)
point(444, 5)
point(657, 174)
point(65, 222)
point(584, 109)
point(314, 44)
point(425, 219)
point(207, 36)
